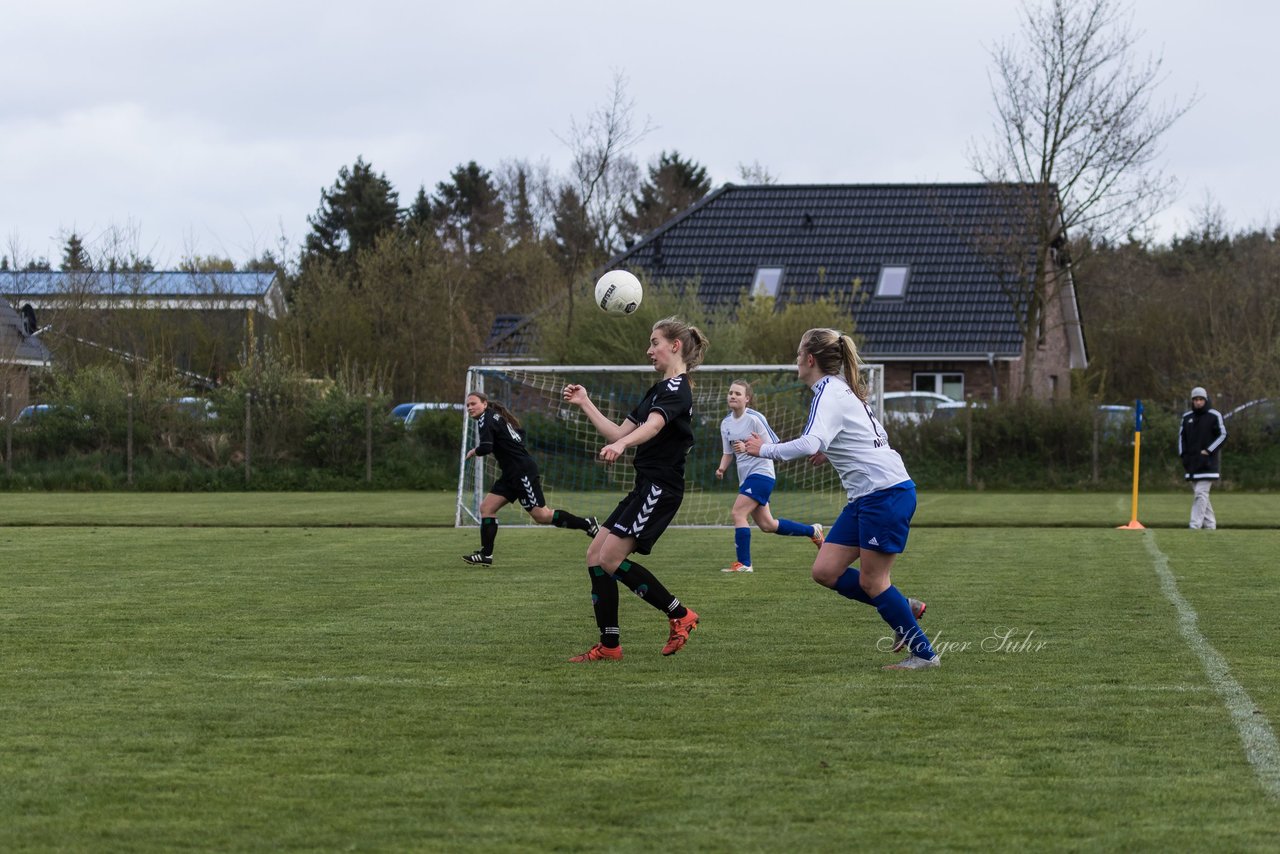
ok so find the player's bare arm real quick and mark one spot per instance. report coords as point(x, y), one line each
point(636, 436)
point(577, 395)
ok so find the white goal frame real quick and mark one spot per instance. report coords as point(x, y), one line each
point(468, 501)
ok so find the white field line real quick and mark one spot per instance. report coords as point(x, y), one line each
point(1260, 746)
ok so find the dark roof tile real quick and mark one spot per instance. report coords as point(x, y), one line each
point(828, 236)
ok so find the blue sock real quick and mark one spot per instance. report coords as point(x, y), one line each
point(742, 539)
point(895, 610)
point(849, 586)
point(787, 528)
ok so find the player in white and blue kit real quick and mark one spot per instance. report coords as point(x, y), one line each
point(874, 525)
point(755, 478)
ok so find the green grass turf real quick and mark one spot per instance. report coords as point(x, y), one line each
point(436, 509)
point(263, 688)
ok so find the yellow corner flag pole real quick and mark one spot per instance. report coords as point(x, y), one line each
point(1134, 524)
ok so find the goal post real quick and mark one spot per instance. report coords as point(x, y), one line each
point(564, 443)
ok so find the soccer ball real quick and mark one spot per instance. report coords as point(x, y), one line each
point(618, 293)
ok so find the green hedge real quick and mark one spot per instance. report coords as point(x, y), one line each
point(315, 440)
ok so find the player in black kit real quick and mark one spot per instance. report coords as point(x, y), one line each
point(500, 435)
point(661, 430)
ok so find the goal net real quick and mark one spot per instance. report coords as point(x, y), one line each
point(564, 443)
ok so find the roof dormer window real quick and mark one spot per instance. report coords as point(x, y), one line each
point(767, 281)
point(892, 281)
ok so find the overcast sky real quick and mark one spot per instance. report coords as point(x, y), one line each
point(211, 127)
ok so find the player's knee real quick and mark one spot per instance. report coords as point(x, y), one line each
point(824, 576)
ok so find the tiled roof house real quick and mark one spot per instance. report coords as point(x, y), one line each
point(916, 258)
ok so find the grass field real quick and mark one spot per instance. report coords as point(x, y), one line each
point(259, 672)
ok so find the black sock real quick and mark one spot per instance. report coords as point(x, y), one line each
point(488, 533)
point(565, 519)
point(641, 582)
point(604, 599)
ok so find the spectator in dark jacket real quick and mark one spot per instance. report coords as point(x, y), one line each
point(1199, 442)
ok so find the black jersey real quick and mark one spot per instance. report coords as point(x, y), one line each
point(506, 443)
point(661, 459)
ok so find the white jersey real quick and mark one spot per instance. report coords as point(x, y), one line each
point(733, 429)
point(842, 427)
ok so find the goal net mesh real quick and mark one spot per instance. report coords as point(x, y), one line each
point(564, 443)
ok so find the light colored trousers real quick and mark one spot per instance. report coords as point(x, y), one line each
point(1201, 508)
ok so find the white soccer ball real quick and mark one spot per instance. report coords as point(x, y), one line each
point(618, 293)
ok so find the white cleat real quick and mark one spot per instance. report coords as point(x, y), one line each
point(738, 566)
point(818, 537)
point(914, 662)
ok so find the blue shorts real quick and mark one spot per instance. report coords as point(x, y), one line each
point(879, 521)
point(758, 488)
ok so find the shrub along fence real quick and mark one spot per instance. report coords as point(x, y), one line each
point(308, 437)
point(1027, 445)
point(314, 440)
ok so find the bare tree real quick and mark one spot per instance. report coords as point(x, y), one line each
point(603, 169)
point(1077, 141)
point(604, 175)
point(756, 172)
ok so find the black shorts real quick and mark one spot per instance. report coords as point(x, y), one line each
point(645, 513)
point(526, 490)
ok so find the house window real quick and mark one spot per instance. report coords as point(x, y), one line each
point(767, 281)
point(952, 385)
point(892, 281)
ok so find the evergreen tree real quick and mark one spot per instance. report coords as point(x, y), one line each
point(75, 258)
point(207, 264)
point(523, 227)
point(575, 238)
point(264, 263)
point(672, 186)
point(420, 213)
point(468, 209)
point(360, 206)
point(130, 262)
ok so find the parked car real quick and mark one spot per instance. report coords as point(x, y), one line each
point(41, 410)
point(911, 406)
point(401, 411)
point(1262, 414)
point(199, 408)
point(1115, 422)
point(419, 408)
point(954, 409)
point(32, 411)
